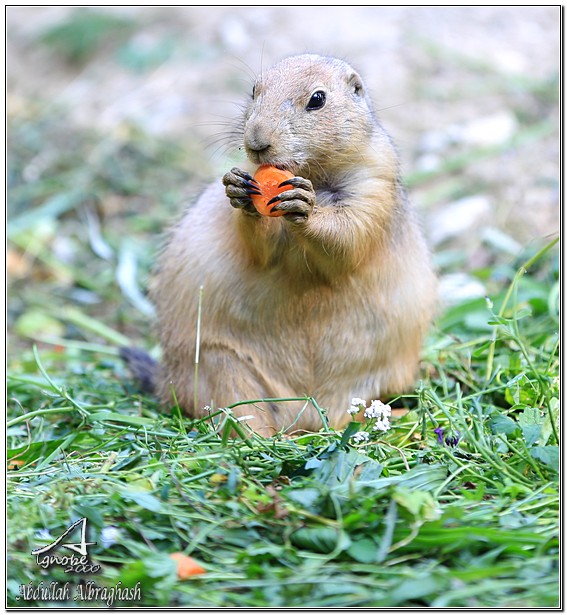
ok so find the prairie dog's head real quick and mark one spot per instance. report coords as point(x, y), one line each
point(308, 113)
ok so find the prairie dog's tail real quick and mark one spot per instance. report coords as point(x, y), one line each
point(142, 366)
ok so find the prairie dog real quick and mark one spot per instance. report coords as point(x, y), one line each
point(332, 299)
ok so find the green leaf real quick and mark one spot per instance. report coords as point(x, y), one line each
point(304, 497)
point(321, 539)
point(551, 415)
point(554, 300)
point(159, 565)
point(363, 550)
point(94, 513)
point(389, 527)
point(531, 423)
point(340, 465)
point(419, 503)
point(520, 391)
point(473, 314)
point(312, 463)
point(422, 476)
point(414, 588)
point(350, 430)
point(504, 425)
point(147, 569)
point(546, 454)
point(143, 499)
point(35, 450)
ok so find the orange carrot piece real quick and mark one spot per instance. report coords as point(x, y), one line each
point(269, 179)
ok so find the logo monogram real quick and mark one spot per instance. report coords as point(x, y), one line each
point(80, 548)
point(70, 563)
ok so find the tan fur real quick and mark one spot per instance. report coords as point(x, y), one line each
point(335, 306)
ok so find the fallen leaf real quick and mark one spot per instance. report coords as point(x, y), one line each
point(274, 505)
point(15, 464)
point(217, 478)
point(18, 265)
point(186, 566)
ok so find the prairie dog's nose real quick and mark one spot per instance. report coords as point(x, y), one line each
point(256, 141)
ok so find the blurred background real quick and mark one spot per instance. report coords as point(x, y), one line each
point(116, 117)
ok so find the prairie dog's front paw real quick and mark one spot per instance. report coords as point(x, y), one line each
point(239, 185)
point(298, 202)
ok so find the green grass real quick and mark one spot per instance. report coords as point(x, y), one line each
point(405, 520)
point(410, 519)
point(313, 520)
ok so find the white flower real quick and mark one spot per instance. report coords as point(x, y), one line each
point(356, 405)
point(43, 535)
point(382, 425)
point(378, 410)
point(109, 536)
point(360, 436)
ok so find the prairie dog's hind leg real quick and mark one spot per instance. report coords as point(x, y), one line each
point(224, 378)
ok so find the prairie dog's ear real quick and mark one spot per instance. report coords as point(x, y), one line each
point(354, 81)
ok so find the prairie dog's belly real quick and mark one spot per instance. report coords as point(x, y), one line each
point(311, 340)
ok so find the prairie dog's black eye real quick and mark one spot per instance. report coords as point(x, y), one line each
point(253, 91)
point(316, 101)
